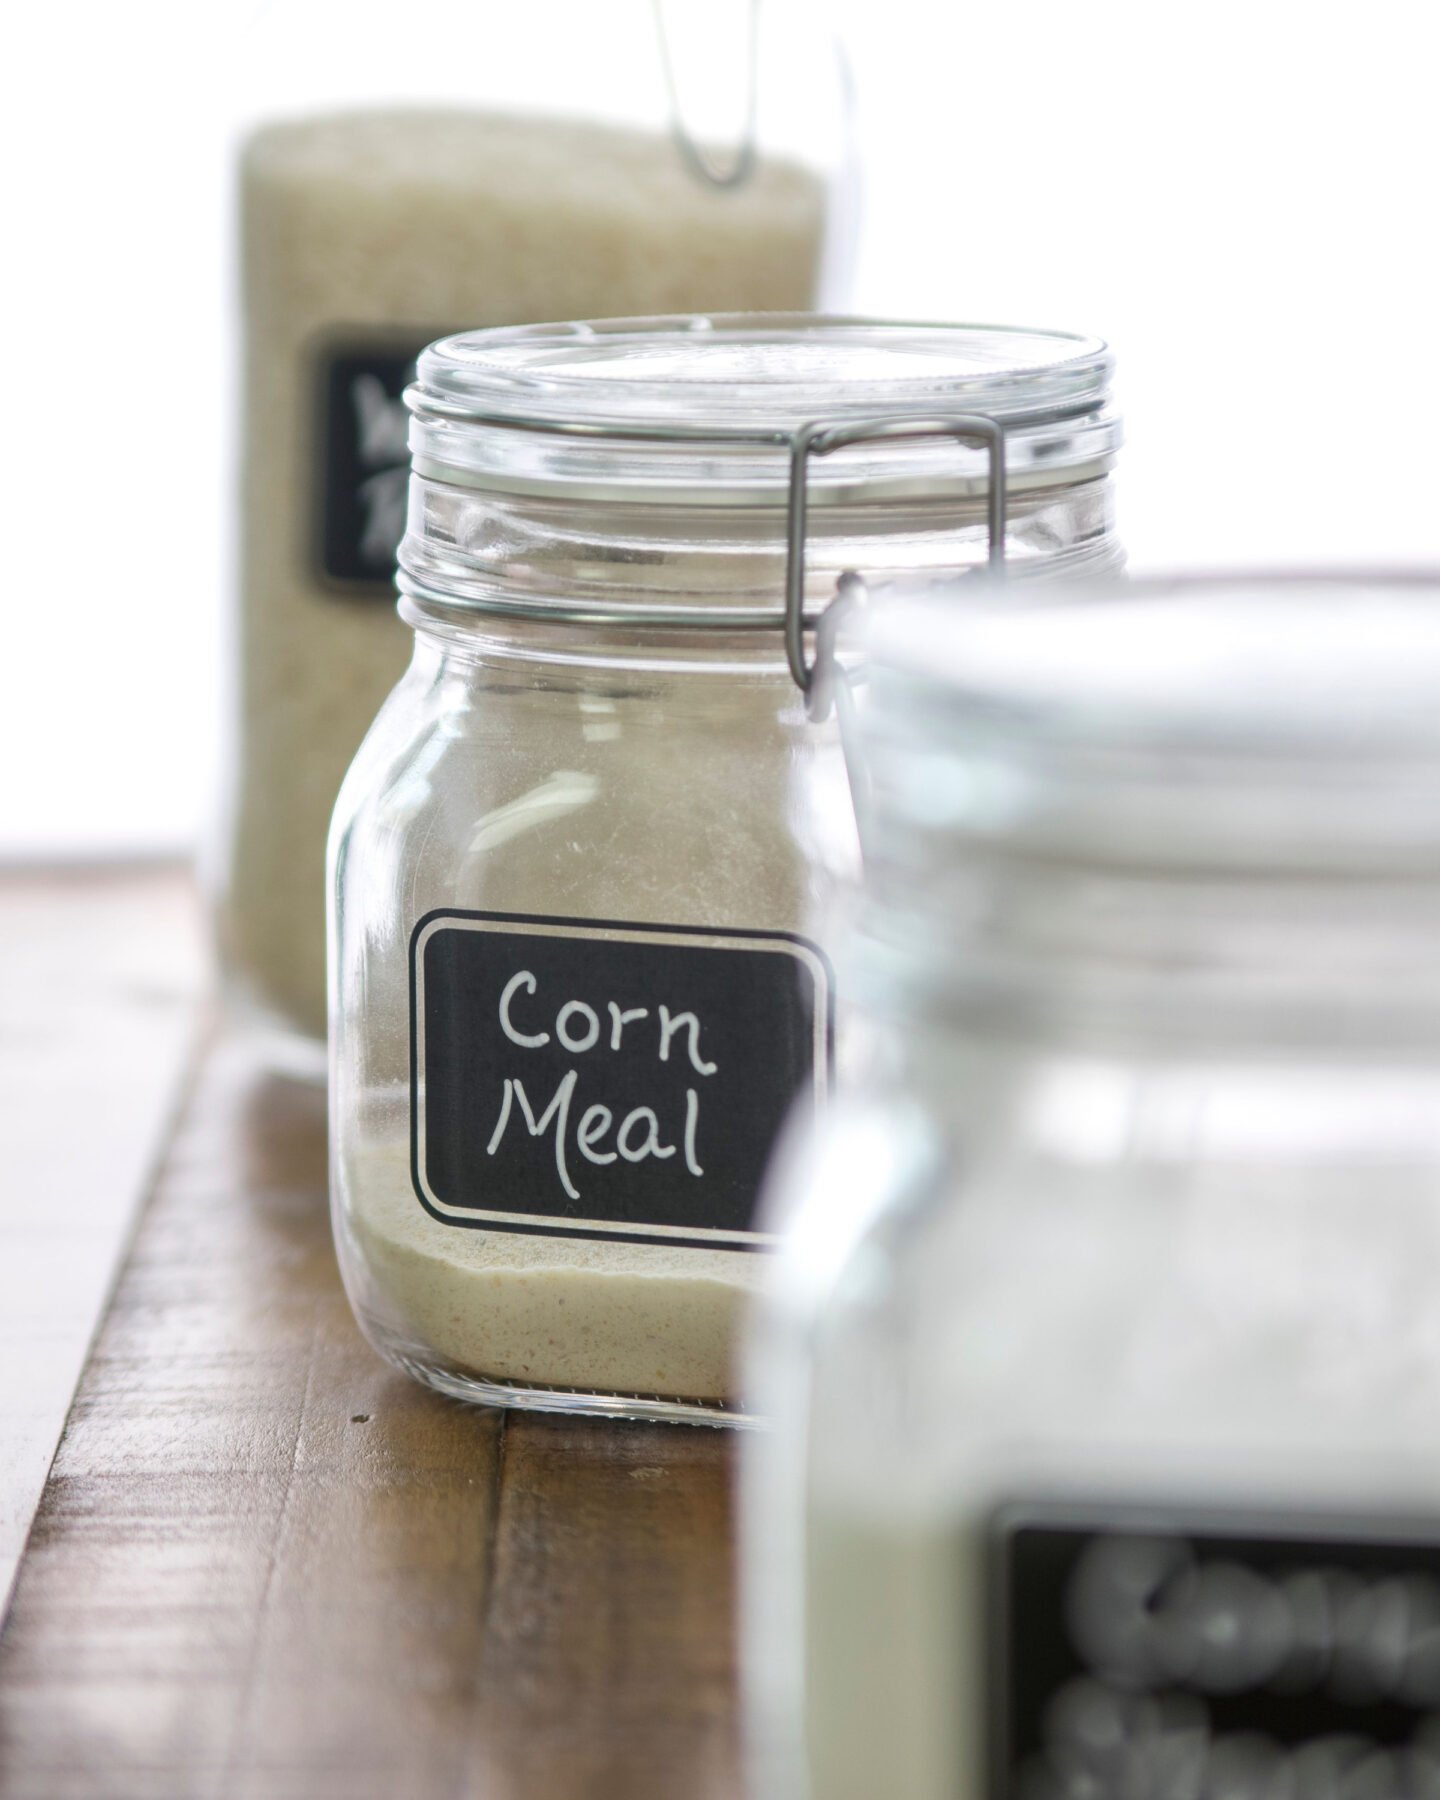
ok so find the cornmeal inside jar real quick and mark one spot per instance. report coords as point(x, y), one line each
point(570, 1313)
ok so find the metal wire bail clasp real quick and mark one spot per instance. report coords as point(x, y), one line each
point(820, 439)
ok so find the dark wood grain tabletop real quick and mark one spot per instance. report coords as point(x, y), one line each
point(267, 1567)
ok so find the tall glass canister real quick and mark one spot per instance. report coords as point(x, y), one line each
point(1104, 1356)
point(482, 166)
point(574, 990)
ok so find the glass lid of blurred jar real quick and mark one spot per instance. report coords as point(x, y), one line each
point(1103, 1354)
point(574, 983)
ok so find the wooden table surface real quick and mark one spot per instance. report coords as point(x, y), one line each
point(100, 972)
point(266, 1567)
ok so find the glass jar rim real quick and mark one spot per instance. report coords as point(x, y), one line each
point(1270, 722)
point(701, 409)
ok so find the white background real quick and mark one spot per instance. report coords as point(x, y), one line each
point(1241, 197)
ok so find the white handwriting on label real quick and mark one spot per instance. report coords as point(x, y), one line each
point(382, 425)
point(1148, 1611)
point(578, 1028)
point(382, 497)
point(1165, 1635)
point(382, 422)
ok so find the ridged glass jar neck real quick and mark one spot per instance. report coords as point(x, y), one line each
point(488, 553)
point(458, 641)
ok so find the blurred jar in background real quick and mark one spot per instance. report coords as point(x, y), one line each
point(1105, 1356)
point(472, 167)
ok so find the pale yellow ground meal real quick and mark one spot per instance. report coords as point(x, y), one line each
point(558, 1312)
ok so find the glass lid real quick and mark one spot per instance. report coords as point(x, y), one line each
point(702, 408)
point(1270, 722)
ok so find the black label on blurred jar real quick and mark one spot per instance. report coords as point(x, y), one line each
point(362, 465)
point(1142, 1655)
point(614, 1081)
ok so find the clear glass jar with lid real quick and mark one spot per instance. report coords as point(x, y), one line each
point(1104, 1351)
point(573, 991)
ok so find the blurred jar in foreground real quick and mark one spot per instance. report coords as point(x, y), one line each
point(1105, 1354)
point(573, 993)
point(381, 208)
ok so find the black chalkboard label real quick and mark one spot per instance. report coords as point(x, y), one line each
point(617, 1081)
point(363, 464)
point(1143, 1655)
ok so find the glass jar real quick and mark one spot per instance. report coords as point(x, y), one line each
point(1104, 1351)
point(671, 160)
point(573, 991)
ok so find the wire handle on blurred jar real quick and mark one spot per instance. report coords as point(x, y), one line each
point(697, 158)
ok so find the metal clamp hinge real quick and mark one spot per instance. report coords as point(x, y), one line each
point(816, 679)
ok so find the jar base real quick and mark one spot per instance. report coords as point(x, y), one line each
point(477, 1390)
